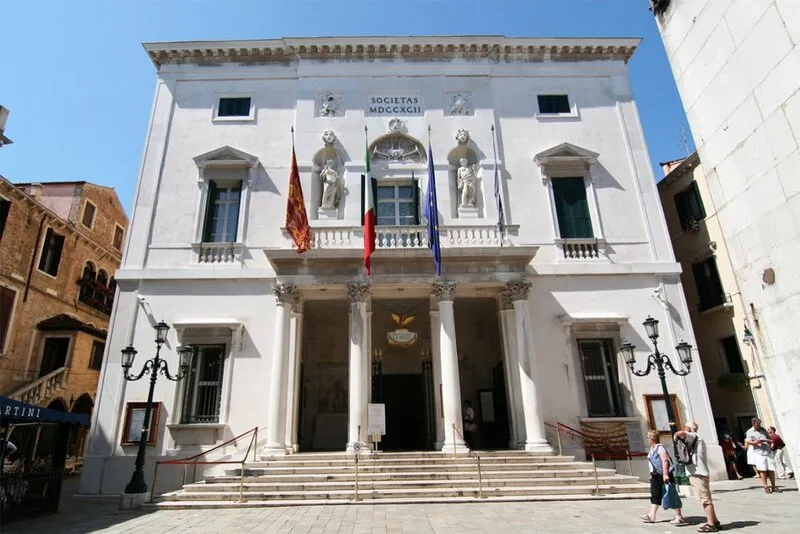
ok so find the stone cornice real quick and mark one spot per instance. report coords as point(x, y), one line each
point(495, 48)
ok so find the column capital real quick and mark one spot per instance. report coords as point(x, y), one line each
point(505, 302)
point(444, 290)
point(286, 294)
point(358, 292)
point(297, 304)
point(518, 290)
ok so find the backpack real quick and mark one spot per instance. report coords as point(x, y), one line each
point(685, 450)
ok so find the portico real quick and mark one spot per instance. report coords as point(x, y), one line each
point(457, 307)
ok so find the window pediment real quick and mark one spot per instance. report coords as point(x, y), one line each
point(223, 157)
point(566, 154)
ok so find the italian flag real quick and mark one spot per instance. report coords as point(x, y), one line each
point(369, 216)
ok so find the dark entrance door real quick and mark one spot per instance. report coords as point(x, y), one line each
point(54, 355)
point(405, 413)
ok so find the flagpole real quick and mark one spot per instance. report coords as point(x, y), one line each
point(498, 191)
point(292, 130)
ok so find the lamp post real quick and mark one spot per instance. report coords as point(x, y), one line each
point(659, 361)
point(153, 365)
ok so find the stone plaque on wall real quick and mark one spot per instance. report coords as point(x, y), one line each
point(395, 104)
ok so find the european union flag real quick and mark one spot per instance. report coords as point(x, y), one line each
point(431, 214)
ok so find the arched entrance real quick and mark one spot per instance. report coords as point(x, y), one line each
point(58, 404)
point(84, 404)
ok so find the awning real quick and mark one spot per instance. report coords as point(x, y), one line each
point(12, 412)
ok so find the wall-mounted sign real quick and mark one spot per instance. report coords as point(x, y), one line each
point(394, 104)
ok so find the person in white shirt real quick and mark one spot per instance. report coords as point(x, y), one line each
point(698, 471)
point(760, 455)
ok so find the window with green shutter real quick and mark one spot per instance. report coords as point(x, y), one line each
point(709, 285)
point(690, 206)
point(572, 208)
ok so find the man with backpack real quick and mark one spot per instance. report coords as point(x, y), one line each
point(691, 450)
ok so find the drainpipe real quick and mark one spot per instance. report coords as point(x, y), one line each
point(33, 258)
point(760, 374)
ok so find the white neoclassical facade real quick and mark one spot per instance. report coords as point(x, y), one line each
point(525, 320)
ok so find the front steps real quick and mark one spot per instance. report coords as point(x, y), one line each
point(415, 477)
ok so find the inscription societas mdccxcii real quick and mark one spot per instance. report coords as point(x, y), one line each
point(394, 104)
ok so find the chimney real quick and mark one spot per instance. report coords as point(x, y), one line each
point(36, 191)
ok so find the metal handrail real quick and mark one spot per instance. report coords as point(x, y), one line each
point(470, 452)
point(605, 446)
point(191, 460)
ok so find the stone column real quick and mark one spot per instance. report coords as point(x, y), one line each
point(448, 352)
point(285, 295)
point(508, 336)
point(359, 368)
point(532, 409)
point(293, 378)
point(436, 359)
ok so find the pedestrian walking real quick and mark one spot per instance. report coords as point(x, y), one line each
point(760, 455)
point(729, 452)
point(779, 450)
point(699, 474)
point(661, 474)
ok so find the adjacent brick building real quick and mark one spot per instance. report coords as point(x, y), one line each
point(60, 244)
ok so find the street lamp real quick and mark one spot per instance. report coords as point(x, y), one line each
point(153, 365)
point(658, 361)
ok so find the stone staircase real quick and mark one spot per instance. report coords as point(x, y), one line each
point(41, 389)
point(413, 477)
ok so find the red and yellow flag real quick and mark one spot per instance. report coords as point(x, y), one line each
point(296, 217)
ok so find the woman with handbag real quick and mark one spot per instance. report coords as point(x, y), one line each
point(663, 491)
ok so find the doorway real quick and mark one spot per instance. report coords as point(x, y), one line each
point(405, 413)
point(54, 354)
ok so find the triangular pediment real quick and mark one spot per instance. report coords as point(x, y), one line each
point(225, 156)
point(566, 152)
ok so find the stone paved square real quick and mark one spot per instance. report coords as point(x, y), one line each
point(741, 505)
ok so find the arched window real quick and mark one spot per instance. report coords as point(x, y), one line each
point(88, 271)
point(87, 282)
point(112, 288)
point(102, 278)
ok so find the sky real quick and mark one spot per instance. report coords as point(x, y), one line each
point(79, 86)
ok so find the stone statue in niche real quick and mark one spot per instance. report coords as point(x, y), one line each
point(467, 184)
point(330, 186)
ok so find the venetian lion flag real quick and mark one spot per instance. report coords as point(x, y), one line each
point(296, 217)
point(369, 216)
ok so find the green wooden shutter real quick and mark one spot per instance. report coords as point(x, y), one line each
point(211, 199)
point(572, 208)
point(697, 202)
point(680, 205)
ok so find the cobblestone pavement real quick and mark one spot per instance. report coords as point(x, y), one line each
point(742, 507)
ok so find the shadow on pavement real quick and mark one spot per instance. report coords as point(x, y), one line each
point(77, 514)
point(733, 525)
